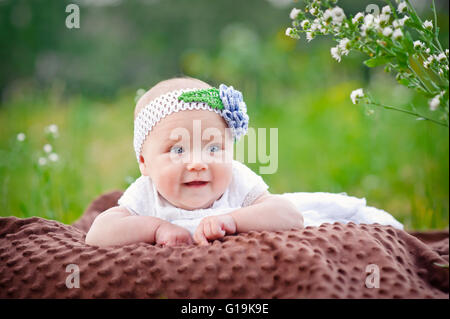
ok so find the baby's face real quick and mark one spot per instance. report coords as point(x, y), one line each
point(188, 156)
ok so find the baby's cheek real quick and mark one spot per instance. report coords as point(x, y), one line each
point(222, 177)
point(168, 182)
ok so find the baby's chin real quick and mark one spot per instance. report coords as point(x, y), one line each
point(192, 204)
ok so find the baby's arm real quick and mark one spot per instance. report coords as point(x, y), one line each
point(268, 212)
point(116, 226)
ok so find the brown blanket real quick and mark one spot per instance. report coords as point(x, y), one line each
point(40, 258)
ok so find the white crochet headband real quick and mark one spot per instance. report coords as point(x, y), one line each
point(225, 101)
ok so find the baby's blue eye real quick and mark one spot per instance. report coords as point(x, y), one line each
point(214, 148)
point(177, 149)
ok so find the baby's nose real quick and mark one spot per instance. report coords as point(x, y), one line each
point(197, 163)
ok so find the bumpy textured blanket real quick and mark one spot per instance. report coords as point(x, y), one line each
point(42, 258)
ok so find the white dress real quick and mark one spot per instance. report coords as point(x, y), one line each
point(142, 198)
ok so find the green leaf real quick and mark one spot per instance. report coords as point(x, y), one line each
point(376, 61)
point(210, 96)
point(404, 82)
point(408, 42)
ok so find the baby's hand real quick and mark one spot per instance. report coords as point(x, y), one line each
point(214, 227)
point(172, 235)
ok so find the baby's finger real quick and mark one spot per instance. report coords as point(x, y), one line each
point(229, 226)
point(199, 237)
point(207, 227)
point(216, 230)
point(184, 240)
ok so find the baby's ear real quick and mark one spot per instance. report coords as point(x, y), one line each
point(142, 165)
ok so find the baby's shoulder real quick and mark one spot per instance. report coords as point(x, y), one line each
point(138, 197)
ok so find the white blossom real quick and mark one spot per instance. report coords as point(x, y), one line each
point(400, 22)
point(368, 20)
point(428, 62)
point(441, 57)
point(47, 148)
point(428, 25)
point(305, 24)
point(336, 54)
point(53, 157)
point(21, 137)
point(313, 11)
point(294, 13)
point(291, 33)
point(402, 7)
point(315, 25)
point(386, 10)
point(403, 20)
point(356, 95)
point(418, 44)
point(434, 102)
point(446, 52)
point(387, 31)
point(309, 36)
point(359, 17)
point(398, 34)
point(42, 161)
point(52, 129)
point(327, 16)
point(344, 46)
point(384, 18)
point(368, 23)
point(338, 15)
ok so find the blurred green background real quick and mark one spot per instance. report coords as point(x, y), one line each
point(85, 81)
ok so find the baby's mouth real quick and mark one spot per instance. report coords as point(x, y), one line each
point(196, 184)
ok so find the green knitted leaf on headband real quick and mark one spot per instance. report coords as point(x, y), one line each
point(210, 96)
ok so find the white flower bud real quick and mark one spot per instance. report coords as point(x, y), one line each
point(418, 44)
point(387, 31)
point(398, 34)
point(368, 20)
point(294, 13)
point(402, 7)
point(435, 102)
point(338, 15)
point(356, 95)
point(53, 157)
point(384, 18)
point(42, 161)
point(47, 148)
point(386, 10)
point(335, 53)
point(21, 137)
point(305, 24)
point(344, 46)
point(291, 33)
point(359, 17)
point(441, 57)
point(428, 25)
point(327, 16)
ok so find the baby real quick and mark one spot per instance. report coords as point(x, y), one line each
point(190, 188)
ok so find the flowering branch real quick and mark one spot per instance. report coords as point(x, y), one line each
point(419, 64)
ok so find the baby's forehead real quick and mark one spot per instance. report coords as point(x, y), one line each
point(167, 86)
point(188, 119)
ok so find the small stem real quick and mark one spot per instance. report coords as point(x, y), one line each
point(407, 112)
point(435, 28)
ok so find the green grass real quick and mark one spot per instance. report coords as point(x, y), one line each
point(325, 144)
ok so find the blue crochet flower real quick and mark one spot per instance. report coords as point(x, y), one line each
point(234, 111)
